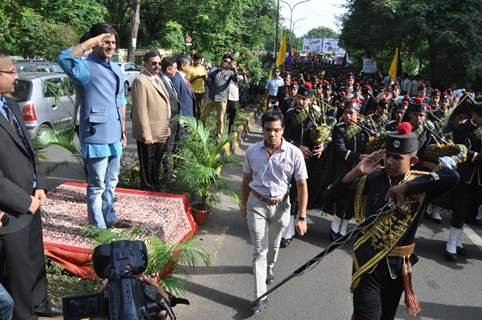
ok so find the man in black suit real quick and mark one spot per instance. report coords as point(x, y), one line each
point(21, 194)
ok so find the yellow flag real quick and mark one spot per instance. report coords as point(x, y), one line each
point(392, 72)
point(280, 60)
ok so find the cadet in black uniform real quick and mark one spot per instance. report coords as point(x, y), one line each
point(299, 120)
point(466, 197)
point(349, 142)
point(384, 252)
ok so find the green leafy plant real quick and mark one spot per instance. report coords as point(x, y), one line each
point(203, 158)
point(163, 258)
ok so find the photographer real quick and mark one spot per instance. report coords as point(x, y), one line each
point(219, 79)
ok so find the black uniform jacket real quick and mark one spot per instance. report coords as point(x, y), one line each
point(377, 185)
point(18, 169)
point(472, 168)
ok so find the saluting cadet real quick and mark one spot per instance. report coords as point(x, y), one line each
point(384, 252)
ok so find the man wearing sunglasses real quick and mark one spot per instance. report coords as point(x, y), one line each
point(273, 84)
point(21, 195)
point(150, 120)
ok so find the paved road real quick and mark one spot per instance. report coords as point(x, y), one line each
point(224, 289)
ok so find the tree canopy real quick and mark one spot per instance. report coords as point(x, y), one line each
point(429, 33)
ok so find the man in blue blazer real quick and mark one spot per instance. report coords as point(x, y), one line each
point(100, 87)
point(183, 87)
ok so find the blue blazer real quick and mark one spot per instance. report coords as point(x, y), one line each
point(186, 96)
point(100, 88)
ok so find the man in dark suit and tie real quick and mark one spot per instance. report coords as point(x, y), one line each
point(183, 86)
point(21, 194)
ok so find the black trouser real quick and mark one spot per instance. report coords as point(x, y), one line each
point(465, 202)
point(231, 113)
point(200, 99)
point(24, 267)
point(150, 156)
point(377, 295)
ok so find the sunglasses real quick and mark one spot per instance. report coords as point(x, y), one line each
point(155, 63)
point(13, 71)
point(228, 61)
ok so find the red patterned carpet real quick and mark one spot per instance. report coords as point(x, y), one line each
point(65, 214)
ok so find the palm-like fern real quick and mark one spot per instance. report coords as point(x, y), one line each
point(203, 157)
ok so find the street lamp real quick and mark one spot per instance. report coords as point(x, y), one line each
point(294, 28)
point(292, 8)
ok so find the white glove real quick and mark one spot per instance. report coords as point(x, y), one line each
point(448, 162)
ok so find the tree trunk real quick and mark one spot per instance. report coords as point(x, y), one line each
point(135, 21)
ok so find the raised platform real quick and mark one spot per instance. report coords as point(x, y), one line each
point(64, 215)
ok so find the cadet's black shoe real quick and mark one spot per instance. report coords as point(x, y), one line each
point(437, 220)
point(270, 277)
point(333, 235)
point(452, 257)
point(461, 251)
point(259, 306)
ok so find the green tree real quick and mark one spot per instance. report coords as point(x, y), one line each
point(321, 32)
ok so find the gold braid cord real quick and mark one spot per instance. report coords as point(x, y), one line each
point(360, 201)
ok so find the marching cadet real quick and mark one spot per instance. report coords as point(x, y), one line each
point(466, 196)
point(299, 120)
point(349, 141)
point(384, 253)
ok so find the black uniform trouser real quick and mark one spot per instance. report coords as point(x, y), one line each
point(150, 156)
point(231, 113)
point(377, 295)
point(465, 202)
point(24, 267)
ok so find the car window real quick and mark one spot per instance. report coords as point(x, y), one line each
point(131, 67)
point(68, 86)
point(137, 68)
point(23, 90)
point(53, 87)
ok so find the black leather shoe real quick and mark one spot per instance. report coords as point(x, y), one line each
point(119, 224)
point(259, 306)
point(49, 312)
point(437, 221)
point(451, 257)
point(270, 277)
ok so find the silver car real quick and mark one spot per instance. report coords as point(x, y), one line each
point(45, 100)
point(130, 72)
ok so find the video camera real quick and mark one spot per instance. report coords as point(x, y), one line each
point(126, 296)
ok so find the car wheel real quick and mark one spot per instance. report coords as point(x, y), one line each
point(126, 87)
point(42, 127)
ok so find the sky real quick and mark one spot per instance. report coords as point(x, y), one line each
point(317, 13)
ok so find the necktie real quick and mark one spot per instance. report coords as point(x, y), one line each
point(12, 121)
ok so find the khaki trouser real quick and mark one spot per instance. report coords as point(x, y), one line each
point(266, 224)
point(220, 109)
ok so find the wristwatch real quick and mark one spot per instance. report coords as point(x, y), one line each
point(302, 218)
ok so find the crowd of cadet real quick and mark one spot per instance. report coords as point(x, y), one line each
point(337, 116)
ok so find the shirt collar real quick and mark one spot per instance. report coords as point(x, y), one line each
point(281, 147)
point(103, 61)
point(149, 74)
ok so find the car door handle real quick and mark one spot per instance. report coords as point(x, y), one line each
point(54, 106)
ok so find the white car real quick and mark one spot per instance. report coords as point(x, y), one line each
point(130, 72)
